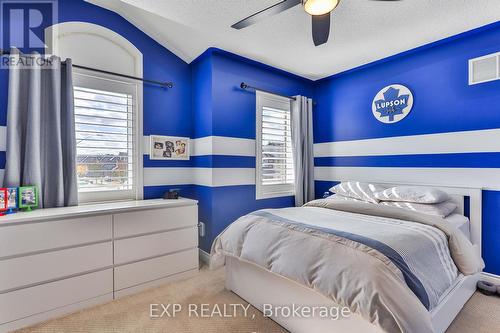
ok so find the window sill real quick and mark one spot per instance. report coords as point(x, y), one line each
point(263, 196)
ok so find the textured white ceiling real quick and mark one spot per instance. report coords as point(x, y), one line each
point(362, 30)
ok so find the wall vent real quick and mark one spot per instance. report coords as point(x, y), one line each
point(484, 69)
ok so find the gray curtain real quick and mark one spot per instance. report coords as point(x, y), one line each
point(41, 144)
point(302, 146)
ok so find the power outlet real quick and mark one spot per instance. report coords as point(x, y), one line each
point(201, 229)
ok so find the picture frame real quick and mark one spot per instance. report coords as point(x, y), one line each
point(28, 197)
point(12, 199)
point(169, 148)
point(3, 201)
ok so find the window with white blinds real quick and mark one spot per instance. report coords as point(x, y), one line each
point(275, 175)
point(105, 123)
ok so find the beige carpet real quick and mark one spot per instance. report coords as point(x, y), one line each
point(131, 314)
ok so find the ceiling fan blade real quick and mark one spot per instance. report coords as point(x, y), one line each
point(269, 11)
point(320, 28)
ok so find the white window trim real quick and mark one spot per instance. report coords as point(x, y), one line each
point(86, 55)
point(268, 191)
point(111, 196)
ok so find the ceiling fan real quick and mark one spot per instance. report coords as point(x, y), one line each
point(319, 10)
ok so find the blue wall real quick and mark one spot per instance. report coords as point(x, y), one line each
point(222, 109)
point(165, 112)
point(437, 74)
point(234, 108)
point(206, 101)
point(491, 231)
point(201, 102)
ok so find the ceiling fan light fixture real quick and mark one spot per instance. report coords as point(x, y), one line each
point(319, 7)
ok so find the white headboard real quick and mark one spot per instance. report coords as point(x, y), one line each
point(458, 195)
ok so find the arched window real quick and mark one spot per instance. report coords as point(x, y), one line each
point(108, 110)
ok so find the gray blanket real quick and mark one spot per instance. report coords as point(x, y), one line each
point(389, 267)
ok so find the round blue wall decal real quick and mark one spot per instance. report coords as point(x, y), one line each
point(392, 104)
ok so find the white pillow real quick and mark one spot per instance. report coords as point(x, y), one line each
point(460, 222)
point(425, 195)
point(358, 190)
point(441, 209)
point(338, 197)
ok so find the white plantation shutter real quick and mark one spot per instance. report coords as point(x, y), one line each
point(105, 124)
point(275, 175)
point(276, 145)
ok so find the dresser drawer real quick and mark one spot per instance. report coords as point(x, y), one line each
point(26, 302)
point(154, 220)
point(137, 248)
point(41, 236)
point(153, 269)
point(25, 271)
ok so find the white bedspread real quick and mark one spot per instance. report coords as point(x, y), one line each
point(390, 271)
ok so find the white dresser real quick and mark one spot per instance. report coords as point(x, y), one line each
point(55, 261)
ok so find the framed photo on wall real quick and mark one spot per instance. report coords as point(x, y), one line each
point(168, 148)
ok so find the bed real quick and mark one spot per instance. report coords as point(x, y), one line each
point(400, 310)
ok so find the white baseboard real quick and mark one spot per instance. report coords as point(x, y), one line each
point(492, 278)
point(204, 257)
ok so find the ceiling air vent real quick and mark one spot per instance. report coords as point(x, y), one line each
point(484, 69)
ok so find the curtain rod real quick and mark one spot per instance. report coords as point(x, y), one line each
point(245, 86)
point(160, 83)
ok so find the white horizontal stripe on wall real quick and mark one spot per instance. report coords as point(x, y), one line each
point(213, 177)
point(487, 178)
point(3, 138)
point(220, 145)
point(167, 176)
point(145, 145)
point(452, 142)
point(224, 176)
point(209, 145)
point(215, 145)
